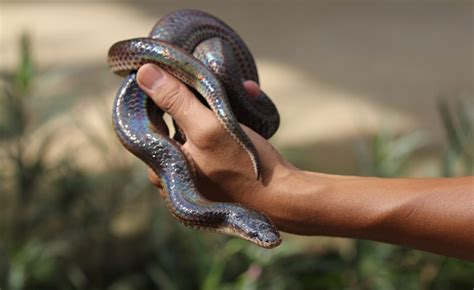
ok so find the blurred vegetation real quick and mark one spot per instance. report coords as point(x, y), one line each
point(66, 227)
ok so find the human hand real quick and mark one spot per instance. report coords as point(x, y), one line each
point(224, 170)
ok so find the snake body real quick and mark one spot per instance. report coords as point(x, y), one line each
point(208, 56)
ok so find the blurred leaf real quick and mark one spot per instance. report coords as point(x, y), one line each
point(24, 75)
point(12, 118)
point(31, 262)
point(458, 128)
point(388, 154)
point(452, 131)
point(160, 278)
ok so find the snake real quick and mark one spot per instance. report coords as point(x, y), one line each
point(211, 59)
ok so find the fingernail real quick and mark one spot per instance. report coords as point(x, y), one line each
point(150, 77)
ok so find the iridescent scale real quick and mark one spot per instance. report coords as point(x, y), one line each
point(221, 62)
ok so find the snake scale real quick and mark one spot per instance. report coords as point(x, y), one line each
point(209, 57)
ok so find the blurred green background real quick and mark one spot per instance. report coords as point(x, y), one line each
point(382, 89)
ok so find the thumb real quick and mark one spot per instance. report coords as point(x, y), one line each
point(173, 97)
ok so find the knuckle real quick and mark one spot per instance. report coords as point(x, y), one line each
point(212, 135)
point(171, 97)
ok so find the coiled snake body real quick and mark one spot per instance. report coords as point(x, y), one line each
point(207, 55)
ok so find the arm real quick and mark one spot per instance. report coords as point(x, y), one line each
point(429, 214)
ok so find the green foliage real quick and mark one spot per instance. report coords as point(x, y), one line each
point(388, 154)
point(458, 124)
point(67, 227)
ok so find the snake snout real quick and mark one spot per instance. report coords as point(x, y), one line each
point(267, 234)
point(256, 228)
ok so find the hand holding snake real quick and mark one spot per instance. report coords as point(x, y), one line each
point(219, 64)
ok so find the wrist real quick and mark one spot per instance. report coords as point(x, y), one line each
point(293, 199)
point(309, 203)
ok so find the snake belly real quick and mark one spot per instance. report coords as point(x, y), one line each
point(208, 56)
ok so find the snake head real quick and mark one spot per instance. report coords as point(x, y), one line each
point(254, 227)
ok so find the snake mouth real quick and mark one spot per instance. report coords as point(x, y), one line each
point(252, 226)
point(266, 244)
point(267, 240)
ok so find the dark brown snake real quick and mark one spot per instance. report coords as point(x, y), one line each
point(207, 55)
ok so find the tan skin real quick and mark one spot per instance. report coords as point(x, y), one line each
point(435, 215)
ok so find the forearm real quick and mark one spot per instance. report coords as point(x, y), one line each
point(430, 214)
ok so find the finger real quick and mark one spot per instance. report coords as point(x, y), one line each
point(252, 89)
point(173, 97)
point(154, 179)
